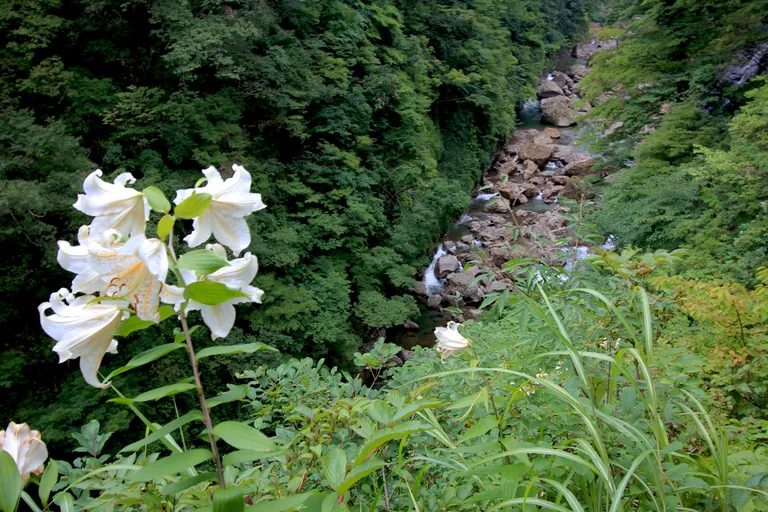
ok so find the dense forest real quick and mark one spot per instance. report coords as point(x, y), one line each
point(364, 125)
point(621, 365)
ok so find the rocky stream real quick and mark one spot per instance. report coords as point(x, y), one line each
point(515, 212)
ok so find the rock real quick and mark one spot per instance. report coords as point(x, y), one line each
point(666, 108)
point(473, 314)
point(575, 156)
point(538, 181)
point(557, 111)
point(497, 219)
point(434, 301)
point(578, 71)
point(616, 125)
point(449, 246)
point(498, 286)
point(746, 64)
point(489, 234)
point(467, 239)
point(419, 288)
point(406, 355)
point(507, 167)
point(521, 199)
point(508, 190)
point(446, 265)
point(499, 205)
point(548, 174)
point(411, 325)
point(538, 153)
point(459, 282)
point(552, 133)
point(561, 151)
point(548, 89)
point(571, 190)
point(530, 190)
point(525, 216)
point(560, 179)
point(543, 139)
point(561, 79)
point(578, 168)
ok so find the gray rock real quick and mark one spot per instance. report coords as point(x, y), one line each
point(538, 153)
point(411, 325)
point(450, 246)
point(557, 111)
point(561, 79)
point(434, 301)
point(560, 180)
point(578, 167)
point(509, 190)
point(473, 314)
point(446, 265)
point(578, 71)
point(521, 199)
point(467, 239)
point(499, 205)
point(548, 89)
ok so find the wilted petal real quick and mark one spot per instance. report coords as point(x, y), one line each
point(113, 205)
point(81, 330)
point(25, 447)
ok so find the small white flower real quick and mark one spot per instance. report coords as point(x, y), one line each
point(114, 206)
point(232, 201)
point(82, 330)
point(25, 447)
point(238, 275)
point(134, 270)
point(449, 340)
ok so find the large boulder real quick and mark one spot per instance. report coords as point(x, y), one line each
point(498, 205)
point(561, 151)
point(508, 190)
point(538, 153)
point(490, 234)
point(578, 71)
point(579, 167)
point(531, 190)
point(557, 111)
point(548, 89)
point(552, 133)
point(460, 282)
point(561, 79)
point(447, 265)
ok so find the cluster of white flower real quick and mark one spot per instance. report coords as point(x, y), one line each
point(120, 272)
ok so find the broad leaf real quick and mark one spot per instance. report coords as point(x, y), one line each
point(164, 430)
point(283, 504)
point(163, 391)
point(164, 226)
point(134, 323)
point(185, 484)
point(202, 261)
point(243, 437)
point(65, 502)
point(240, 456)
point(47, 481)
point(193, 206)
point(171, 465)
point(245, 348)
point(359, 472)
point(228, 500)
point(335, 467)
point(233, 394)
point(211, 293)
point(157, 200)
point(147, 357)
point(10, 483)
point(403, 429)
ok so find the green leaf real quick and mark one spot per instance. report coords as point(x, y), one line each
point(171, 465)
point(335, 467)
point(163, 391)
point(134, 323)
point(202, 261)
point(65, 502)
point(47, 481)
point(402, 430)
point(244, 348)
point(243, 437)
point(164, 430)
point(228, 500)
point(211, 293)
point(164, 226)
point(147, 357)
point(359, 472)
point(157, 200)
point(284, 504)
point(239, 456)
point(10, 483)
point(478, 429)
point(193, 206)
point(185, 484)
point(233, 394)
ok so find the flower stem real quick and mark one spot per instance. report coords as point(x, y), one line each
point(201, 396)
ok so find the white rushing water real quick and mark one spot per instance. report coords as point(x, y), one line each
point(575, 255)
point(464, 219)
point(550, 76)
point(485, 197)
point(431, 283)
point(610, 243)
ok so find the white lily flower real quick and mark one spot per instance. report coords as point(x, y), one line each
point(238, 275)
point(449, 340)
point(114, 206)
point(82, 330)
point(232, 201)
point(134, 271)
point(25, 447)
point(75, 259)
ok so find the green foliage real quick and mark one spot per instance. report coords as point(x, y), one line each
point(364, 126)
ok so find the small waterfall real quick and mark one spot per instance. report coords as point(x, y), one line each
point(431, 283)
point(575, 255)
point(550, 77)
point(552, 165)
point(464, 219)
point(610, 243)
point(485, 197)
